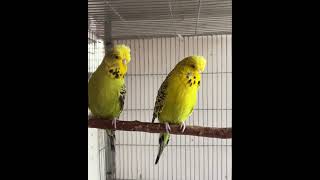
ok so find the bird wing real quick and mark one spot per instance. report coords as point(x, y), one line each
point(122, 97)
point(162, 92)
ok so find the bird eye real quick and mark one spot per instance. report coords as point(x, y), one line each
point(117, 57)
point(193, 66)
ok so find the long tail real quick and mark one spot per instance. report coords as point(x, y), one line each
point(112, 137)
point(163, 142)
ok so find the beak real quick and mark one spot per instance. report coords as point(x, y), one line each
point(124, 61)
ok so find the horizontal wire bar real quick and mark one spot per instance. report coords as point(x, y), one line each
point(170, 36)
point(164, 74)
point(160, 3)
point(199, 109)
point(175, 145)
point(172, 145)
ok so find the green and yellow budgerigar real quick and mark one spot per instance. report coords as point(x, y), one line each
point(177, 96)
point(106, 88)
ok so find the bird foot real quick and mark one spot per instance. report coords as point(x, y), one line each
point(114, 123)
point(168, 129)
point(183, 127)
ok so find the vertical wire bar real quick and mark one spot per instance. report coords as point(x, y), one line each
point(89, 51)
point(187, 153)
point(208, 104)
point(130, 113)
point(231, 95)
point(217, 95)
point(131, 105)
point(146, 85)
point(120, 134)
point(98, 154)
point(142, 97)
point(151, 102)
point(167, 53)
point(221, 104)
point(148, 105)
point(207, 100)
point(115, 177)
point(137, 112)
point(134, 102)
point(172, 65)
point(143, 106)
point(90, 55)
point(159, 80)
point(185, 52)
point(214, 60)
point(226, 46)
point(192, 147)
point(139, 78)
point(155, 84)
point(197, 139)
point(93, 51)
point(179, 137)
point(204, 105)
point(210, 148)
point(138, 104)
point(105, 156)
point(121, 152)
point(138, 100)
point(174, 150)
point(119, 138)
point(197, 148)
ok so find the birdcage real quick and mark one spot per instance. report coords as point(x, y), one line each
point(160, 33)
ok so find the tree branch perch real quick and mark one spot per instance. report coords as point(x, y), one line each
point(222, 133)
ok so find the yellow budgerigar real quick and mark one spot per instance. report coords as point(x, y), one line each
point(106, 88)
point(177, 96)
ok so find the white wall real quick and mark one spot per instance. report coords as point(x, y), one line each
point(93, 158)
point(186, 157)
point(95, 55)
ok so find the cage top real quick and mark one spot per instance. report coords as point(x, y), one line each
point(141, 18)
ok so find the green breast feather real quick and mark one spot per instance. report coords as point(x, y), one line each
point(176, 100)
point(106, 95)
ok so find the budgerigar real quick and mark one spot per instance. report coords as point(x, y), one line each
point(177, 96)
point(107, 88)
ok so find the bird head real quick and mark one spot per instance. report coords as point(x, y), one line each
point(191, 68)
point(116, 60)
point(192, 65)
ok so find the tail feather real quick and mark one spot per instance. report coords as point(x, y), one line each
point(163, 142)
point(158, 157)
point(112, 136)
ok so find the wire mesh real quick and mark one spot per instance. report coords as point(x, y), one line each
point(137, 19)
point(160, 33)
point(96, 139)
point(186, 157)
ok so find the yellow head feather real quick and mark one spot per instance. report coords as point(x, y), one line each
point(198, 63)
point(116, 60)
point(123, 51)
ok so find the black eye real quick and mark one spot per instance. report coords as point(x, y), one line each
point(193, 66)
point(117, 57)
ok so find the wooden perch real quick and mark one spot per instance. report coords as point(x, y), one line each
point(222, 133)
